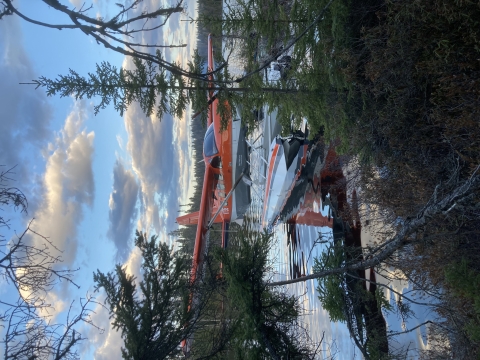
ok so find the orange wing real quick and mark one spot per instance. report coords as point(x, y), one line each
point(206, 203)
point(209, 183)
point(204, 216)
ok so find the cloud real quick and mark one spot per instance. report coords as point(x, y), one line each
point(107, 344)
point(68, 185)
point(77, 3)
point(120, 142)
point(160, 157)
point(159, 148)
point(25, 114)
point(123, 211)
point(154, 160)
point(134, 263)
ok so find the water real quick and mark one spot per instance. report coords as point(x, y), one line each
point(296, 247)
point(293, 256)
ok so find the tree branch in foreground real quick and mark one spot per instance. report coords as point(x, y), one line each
point(411, 225)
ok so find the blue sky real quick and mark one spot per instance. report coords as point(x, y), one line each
point(90, 180)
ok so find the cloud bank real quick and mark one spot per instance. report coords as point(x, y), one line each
point(68, 184)
point(25, 114)
point(123, 211)
point(159, 148)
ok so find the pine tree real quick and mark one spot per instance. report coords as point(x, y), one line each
point(154, 320)
point(268, 318)
point(151, 86)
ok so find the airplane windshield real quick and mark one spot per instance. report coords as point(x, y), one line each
point(209, 146)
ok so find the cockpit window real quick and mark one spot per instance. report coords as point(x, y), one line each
point(216, 162)
point(209, 146)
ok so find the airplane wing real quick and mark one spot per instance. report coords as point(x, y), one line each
point(204, 215)
point(209, 184)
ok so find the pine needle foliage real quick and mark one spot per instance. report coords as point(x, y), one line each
point(152, 87)
point(331, 288)
point(152, 320)
point(269, 322)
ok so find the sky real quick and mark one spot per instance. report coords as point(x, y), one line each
point(90, 181)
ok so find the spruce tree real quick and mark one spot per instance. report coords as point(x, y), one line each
point(152, 313)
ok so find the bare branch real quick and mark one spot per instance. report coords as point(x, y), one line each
point(29, 263)
point(114, 29)
point(10, 195)
point(31, 268)
point(30, 335)
point(13, 10)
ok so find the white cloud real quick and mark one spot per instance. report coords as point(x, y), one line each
point(154, 160)
point(77, 3)
point(68, 185)
point(160, 158)
point(120, 142)
point(159, 148)
point(134, 263)
point(110, 347)
point(107, 344)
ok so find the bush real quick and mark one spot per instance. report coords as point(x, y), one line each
point(465, 283)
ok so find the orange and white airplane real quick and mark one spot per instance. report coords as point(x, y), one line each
point(225, 197)
point(287, 157)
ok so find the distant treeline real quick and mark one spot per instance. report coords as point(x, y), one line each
point(208, 9)
point(186, 234)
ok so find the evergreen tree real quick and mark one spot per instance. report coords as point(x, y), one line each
point(154, 320)
point(268, 318)
point(151, 86)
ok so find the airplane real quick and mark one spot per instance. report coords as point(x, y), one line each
point(226, 189)
point(286, 170)
point(225, 196)
point(320, 174)
point(287, 157)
